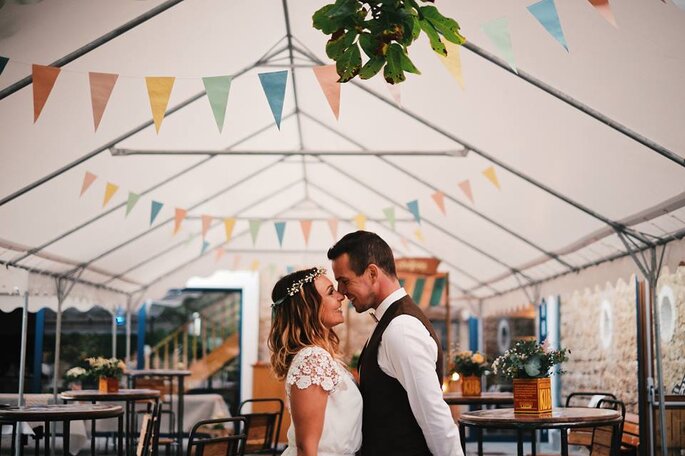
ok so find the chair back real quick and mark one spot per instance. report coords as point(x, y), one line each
point(263, 426)
point(584, 398)
point(218, 437)
point(604, 440)
point(149, 431)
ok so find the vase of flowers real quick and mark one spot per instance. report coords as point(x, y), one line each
point(528, 364)
point(74, 376)
point(470, 367)
point(108, 371)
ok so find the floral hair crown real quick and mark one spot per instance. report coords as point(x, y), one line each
point(297, 286)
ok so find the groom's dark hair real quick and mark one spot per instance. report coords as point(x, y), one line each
point(364, 248)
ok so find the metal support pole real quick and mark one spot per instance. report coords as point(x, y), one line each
point(22, 363)
point(114, 335)
point(129, 303)
point(657, 345)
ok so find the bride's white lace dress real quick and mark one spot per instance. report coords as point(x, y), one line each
point(342, 427)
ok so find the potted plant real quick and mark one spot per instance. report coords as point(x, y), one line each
point(74, 376)
point(471, 367)
point(528, 364)
point(108, 371)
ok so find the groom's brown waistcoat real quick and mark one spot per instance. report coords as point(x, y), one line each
point(389, 426)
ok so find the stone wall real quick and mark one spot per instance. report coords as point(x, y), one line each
point(673, 350)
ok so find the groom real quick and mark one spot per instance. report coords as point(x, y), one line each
point(401, 365)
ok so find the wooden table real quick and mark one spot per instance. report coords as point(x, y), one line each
point(560, 418)
point(128, 396)
point(171, 374)
point(65, 414)
point(492, 398)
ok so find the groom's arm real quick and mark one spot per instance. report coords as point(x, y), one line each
point(409, 354)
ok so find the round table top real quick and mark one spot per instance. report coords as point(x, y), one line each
point(121, 395)
point(559, 417)
point(485, 398)
point(60, 412)
point(158, 372)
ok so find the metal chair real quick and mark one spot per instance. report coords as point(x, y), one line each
point(604, 440)
point(263, 427)
point(218, 439)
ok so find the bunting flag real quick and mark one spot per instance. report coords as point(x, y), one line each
point(110, 190)
point(131, 202)
point(333, 225)
point(405, 243)
point(272, 269)
point(179, 215)
point(229, 224)
point(289, 269)
point(419, 235)
point(205, 245)
point(88, 180)
point(603, 8)
point(439, 199)
point(360, 221)
point(220, 252)
point(490, 173)
point(217, 89)
point(452, 61)
point(154, 210)
point(236, 262)
point(413, 207)
point(328, 80)
point(280, 231)
point(498, 32)
point(274, 88)
point(3, 63)
point(44, 78)
point(306, 226)
point(255, 265)
point(395, 93)
point(206, 224)
point(465, 187)
point(546, 13)
point(101, 86)
point(254, 229)
point(159, 91)
point(390, 216)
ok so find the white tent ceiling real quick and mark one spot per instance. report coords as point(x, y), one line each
point(563, 174)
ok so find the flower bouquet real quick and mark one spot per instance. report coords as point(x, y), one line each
point(528, 364)
point(108, 370)
point(75, 376)
point(471, 367)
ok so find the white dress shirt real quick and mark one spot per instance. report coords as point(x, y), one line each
point(408, 353)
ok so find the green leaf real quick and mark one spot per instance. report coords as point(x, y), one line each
point(393, 72)
point(433, 36)
point(331, 18)
point(449, 28)
point(416, 28)
point(369, 45)
point(349, 64)
point(336, 47)
point(372, 67)
point(407, 64)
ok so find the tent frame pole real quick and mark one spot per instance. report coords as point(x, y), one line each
point(22, 362)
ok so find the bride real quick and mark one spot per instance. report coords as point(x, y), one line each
point(324, 401)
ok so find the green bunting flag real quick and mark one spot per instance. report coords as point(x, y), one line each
point(390, 216)
point(498, 32)
point(217, 89)
point(254, 229)
point(132, 200)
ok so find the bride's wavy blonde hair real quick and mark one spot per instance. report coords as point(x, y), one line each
point(296, 322)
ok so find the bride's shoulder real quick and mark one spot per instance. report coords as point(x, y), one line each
point(313, 365)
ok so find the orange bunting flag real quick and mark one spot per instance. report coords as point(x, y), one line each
point(88, 180)
point(328, 80)
point(178, 218)
point(360, 221)
point(159, 91)
point(306, 226)
point(465, 187)
point(333, 225)
point(44, 78)
point(405, 243)
point(490, 173)
point(206, 224)
point(603, 8)
point(229, 223)
point(101, 85)
point(110, 190)
point(220, 252)
point(439, 199)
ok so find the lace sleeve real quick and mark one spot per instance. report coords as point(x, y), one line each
point(313, 366)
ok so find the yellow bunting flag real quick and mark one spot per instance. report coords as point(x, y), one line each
point(255, 265)
point(110, 190)
point(360, 221)
point(333, 225)
point(44, 78)
point(452, 61)
point(219, 254)
point(328, 80)
point(179, 215)
point(206, 224)
point(306, 226)
point(101, 85)
point(419, 235)
point(490, 173)
point(229, 223)
point(88, 180)
point(439, 199)
point(465, 187)
point(159, 91)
